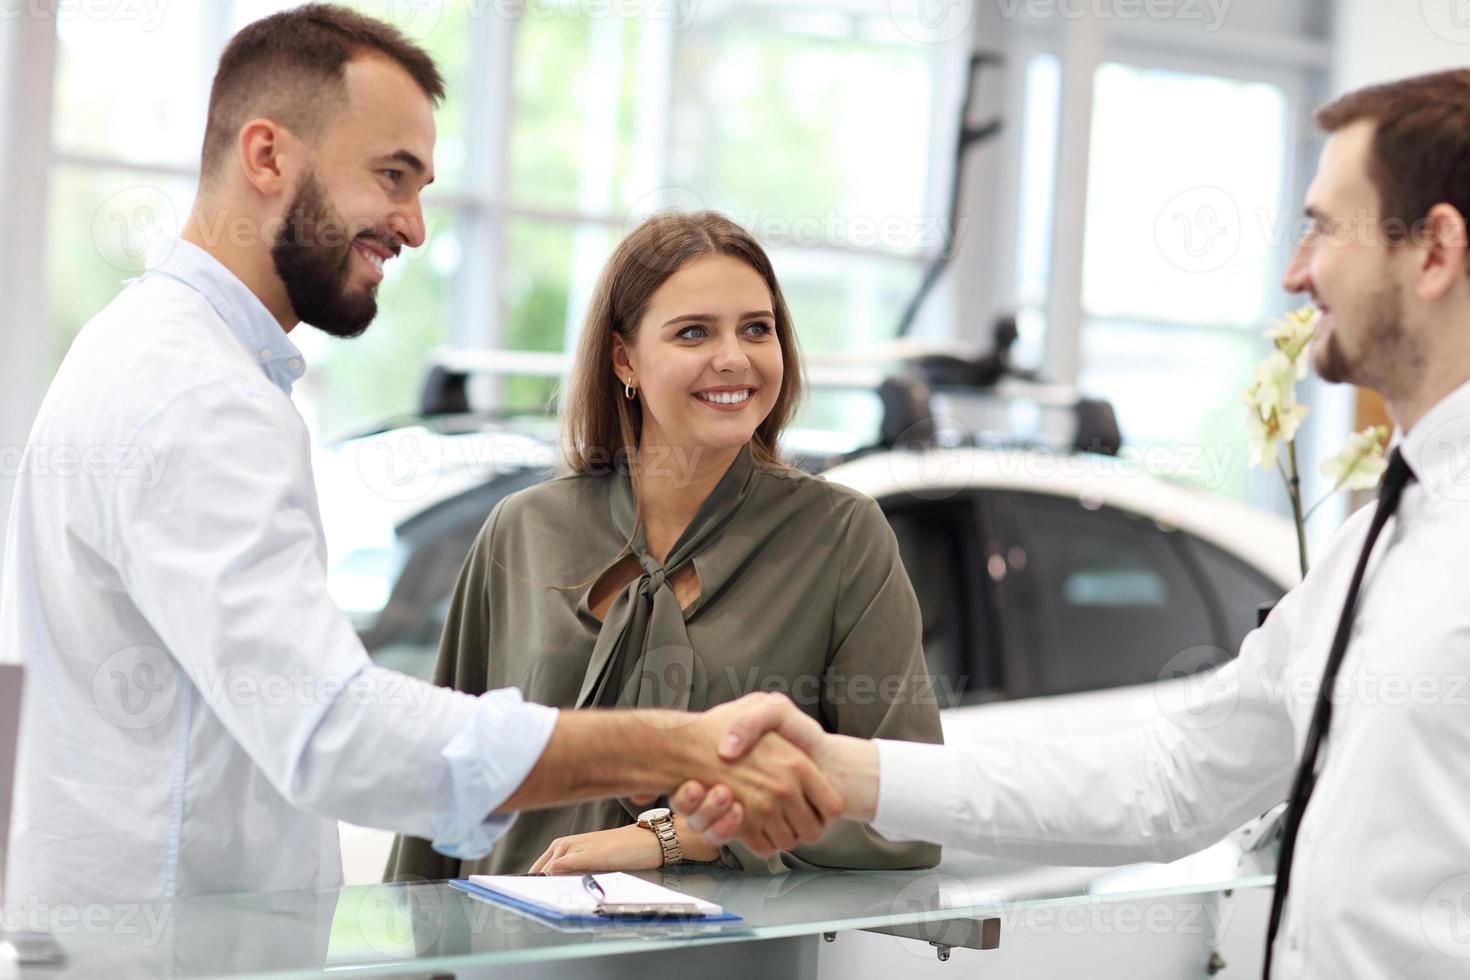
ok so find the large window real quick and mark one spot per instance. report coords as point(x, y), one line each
point(1179, 265)
point(1195, 161)
point(809, 123)
point(820, 125)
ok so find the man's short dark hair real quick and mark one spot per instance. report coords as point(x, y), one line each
point(1420, 154)
point(289, 68)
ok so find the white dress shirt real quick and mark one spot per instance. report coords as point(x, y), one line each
point(198, 713)
point(1380, 886)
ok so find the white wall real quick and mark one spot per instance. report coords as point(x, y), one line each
point(27, 56)
point(1376, 40)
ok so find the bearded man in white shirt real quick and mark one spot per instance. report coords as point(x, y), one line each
point(1378, 867)
point(198, 713)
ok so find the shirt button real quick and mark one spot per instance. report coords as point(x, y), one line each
point(265, 353)
point(294, 364)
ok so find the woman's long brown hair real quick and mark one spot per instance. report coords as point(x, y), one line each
point(602, 428)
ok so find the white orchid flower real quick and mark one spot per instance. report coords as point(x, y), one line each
point(1264, 430)
point(1293, 336)
point(1273, 385)
point(1361, 463)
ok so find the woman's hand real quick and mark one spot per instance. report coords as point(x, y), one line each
point(629, 848)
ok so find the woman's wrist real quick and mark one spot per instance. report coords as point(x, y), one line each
point(696, 848)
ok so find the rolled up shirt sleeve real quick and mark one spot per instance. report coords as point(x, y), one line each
point(487, 760)
point(225, 559)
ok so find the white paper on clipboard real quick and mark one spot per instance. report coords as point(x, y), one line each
point(564, 894)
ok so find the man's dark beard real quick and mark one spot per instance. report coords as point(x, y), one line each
point(313, 255)
point(1387, 350)
point(1332, 364)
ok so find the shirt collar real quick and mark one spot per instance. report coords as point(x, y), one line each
point(243, 312)
point(1437, 448)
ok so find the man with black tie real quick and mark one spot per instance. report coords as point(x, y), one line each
point(1352, 700)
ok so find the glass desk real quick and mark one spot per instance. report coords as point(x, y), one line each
point(428, 929)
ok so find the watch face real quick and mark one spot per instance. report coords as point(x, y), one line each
point(657, 813)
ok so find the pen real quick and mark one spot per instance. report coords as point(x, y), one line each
point(637, 910)
point(594, 889)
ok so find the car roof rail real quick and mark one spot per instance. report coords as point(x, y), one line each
point(446, 389)
point(908, 415)
point(909, 420)
point(1097, 427)
point(906, 375)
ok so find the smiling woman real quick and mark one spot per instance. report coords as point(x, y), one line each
point(730, 364)
point(679, 563)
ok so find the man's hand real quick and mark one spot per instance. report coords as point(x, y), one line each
point(767, 711)
point(713, 810)
point(852, 763)
point(771, 798)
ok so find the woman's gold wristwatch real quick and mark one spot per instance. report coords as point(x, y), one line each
point(660, 820)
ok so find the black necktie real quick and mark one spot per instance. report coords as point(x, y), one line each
point(1395, 478)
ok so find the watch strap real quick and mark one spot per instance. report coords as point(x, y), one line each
point(668, 838)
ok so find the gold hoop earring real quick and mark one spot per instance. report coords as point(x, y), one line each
point(628, 391)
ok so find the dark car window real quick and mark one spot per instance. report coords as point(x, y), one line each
point(1240, 589)
point(937, 542)
point(1095, 597)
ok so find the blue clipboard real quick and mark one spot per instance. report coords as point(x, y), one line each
point(540, 912)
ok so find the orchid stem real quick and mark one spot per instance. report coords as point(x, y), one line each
point(1294, 491)
point(1325, 497)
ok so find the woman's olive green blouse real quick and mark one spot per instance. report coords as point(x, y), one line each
point(800, 590)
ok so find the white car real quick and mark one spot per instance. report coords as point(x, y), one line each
point(1081, 596)
point(1062, 593)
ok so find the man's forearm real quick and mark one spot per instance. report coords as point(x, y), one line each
point(599, 754)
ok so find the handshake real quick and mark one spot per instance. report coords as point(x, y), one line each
point(784, 779)
point(756, 770)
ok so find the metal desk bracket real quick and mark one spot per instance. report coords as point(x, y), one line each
point(945, 936)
